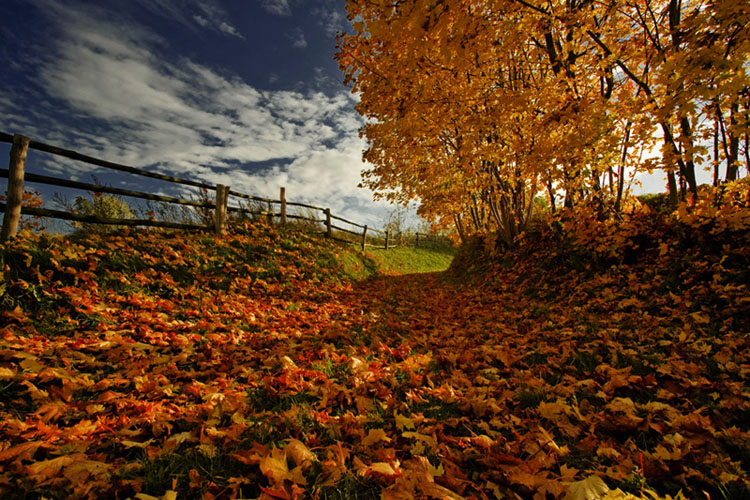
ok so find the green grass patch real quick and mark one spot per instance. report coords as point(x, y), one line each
point(406, 260)
point(355, 265)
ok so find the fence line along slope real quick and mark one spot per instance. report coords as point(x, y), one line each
point(17, 177)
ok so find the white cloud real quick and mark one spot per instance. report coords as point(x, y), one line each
point(201, 20)
point(227, 28)
point(207, 14)
point(298, 39)
point(330, 19)
point(140, 107)
point(277, 7)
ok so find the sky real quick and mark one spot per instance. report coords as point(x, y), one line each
point(242, 93)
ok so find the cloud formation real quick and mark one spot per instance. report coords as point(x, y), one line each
point(208, 14)
point(298, 38)
point(138, 107)
point(330, 19)
point(277, 7)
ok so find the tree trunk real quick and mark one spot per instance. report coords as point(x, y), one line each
point(716, 152)
point(688, 165)
point(672, 184)
point(459, 227)
point(621, 170)
point(551, 192)
point(734, 144)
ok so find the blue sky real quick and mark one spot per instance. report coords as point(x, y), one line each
point(244, 93)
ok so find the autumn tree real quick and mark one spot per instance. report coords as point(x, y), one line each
point(474, 107)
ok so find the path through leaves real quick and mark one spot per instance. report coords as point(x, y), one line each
point(245, 368)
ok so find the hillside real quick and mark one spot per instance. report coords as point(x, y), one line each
point(594, 356)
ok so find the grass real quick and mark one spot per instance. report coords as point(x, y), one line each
point(356, 265)
point(405, 260)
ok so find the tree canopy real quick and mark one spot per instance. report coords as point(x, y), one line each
point(476, 107)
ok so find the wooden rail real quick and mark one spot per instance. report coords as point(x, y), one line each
point(97, 188)
point(58, 214)
point(16, 176)
point(66, 153)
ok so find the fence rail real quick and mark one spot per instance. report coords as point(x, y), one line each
point(59, 214)
point(16, 176)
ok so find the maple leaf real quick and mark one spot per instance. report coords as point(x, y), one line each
point(274, 466)
point(403, 422)
point(591, 488)
point(374, 436)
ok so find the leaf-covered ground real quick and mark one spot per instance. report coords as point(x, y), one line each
point(246, 368)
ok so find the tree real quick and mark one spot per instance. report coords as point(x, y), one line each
point(474, 107)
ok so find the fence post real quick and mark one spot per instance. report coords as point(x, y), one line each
point(269, 218)
point(387, 237)
point(15, 187)
point(220, 216)
point(416, 243)
point(364, 238)
point(329, 233)
point(282, 197)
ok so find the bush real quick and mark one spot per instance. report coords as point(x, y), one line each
point(101, 205)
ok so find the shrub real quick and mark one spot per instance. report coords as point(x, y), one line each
point(101, 205)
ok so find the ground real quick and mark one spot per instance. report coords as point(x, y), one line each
point(247, 368)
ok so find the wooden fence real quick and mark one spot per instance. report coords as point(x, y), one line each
point(13, 207)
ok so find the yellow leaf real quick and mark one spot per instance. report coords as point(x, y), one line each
point(435, 471)
point(551, 411)
point(429, 440)
point(674, 439)
point(374, 436)
point(94, 409)
point(297, 451)
point(287, 363)
point(437, 491)
point(403, 422)
point(274, 466)
point(82, 471)
point(700, 318)
point(296, 476)
point(382, 468)
point(591, 488)
point(6, 373)
point(31, 365)
point(495, 489)
point(50, 467)
point(169, 495)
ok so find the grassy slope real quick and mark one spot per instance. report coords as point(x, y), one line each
point(118, 354)
point(144, 364)
point(402, 260)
